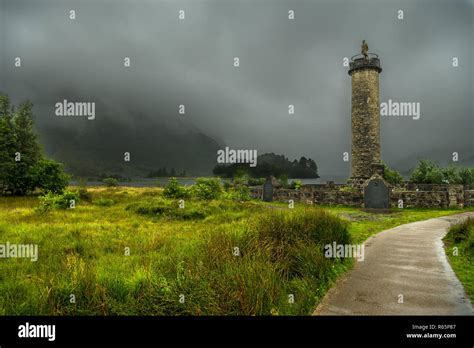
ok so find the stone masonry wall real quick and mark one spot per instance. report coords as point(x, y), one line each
point(365, 122)
point(315, 194)
point(420, 199)
point(433, 196)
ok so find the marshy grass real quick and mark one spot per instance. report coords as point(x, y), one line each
point(225, 257)
point(459, 246)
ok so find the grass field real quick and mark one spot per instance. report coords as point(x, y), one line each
point(459, 246)
point(219, 257)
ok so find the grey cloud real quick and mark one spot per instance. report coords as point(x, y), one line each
point(282, 62)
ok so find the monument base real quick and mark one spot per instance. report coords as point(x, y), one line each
point(357, 182)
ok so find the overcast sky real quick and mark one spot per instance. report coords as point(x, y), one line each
point(282, 62)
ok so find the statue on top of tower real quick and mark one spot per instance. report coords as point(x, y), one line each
point(365, 49)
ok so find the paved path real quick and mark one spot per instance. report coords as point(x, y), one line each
point(407, 260)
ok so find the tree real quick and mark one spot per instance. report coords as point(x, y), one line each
point(450, 175)
point(271, 164)
point(466, 176)
point(392, 176)
point(427, 172)
point(49, 176)
point(27, 150)
point(22, 165)
point(7, 143)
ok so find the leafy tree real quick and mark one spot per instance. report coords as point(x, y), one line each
point(51, 200)
point(7, 143)
point(239, 193)
point(49, 176)
point(427, 172)
point(174, 190)
point(296, 185)
point(21, 158)
point(207, 188)
point(392, 176)
point(271, 164)
point(466, 176)
point(450, 175)
point(27, 150)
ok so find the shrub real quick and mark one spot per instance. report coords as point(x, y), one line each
point(239, 193)
point(84, 194)
point(174, 190)
point(466, 176)
point(168, 209)
point(51, 200)
point(227, 185)
point(427, 172)
point(104, 202)
point(460, 232)
point(450, 175)
point(296, 185)
point(207, 188)
point(110, 182)
point(291, 235)
point(392, 176)
point(459, 247)
point(278, 251)
point(314, 225)
point(49, 176)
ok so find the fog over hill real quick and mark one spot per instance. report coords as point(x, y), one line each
point(190, 62)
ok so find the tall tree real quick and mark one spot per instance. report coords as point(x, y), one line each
point(27, 149)
point(22, 166)
point(7, 143)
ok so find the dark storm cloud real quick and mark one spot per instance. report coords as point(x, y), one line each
point(282, 62)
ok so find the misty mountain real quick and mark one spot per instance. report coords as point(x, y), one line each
point(191, 62)
point(99, 149)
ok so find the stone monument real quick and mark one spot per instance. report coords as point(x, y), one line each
point(268, 189)
point(365, 118)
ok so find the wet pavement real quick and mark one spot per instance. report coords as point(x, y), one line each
point(405, 272)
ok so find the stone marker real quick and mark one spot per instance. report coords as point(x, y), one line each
point(268, 190)
point(376, 194)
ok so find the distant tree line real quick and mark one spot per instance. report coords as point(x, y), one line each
point(23, 167)
point(271, 164)
point(429, 172)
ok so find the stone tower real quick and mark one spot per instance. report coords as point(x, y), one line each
point(364, 70)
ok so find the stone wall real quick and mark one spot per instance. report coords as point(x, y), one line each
point(469, 198)
point(419, 195)
point(318, 194)
point(420, 199)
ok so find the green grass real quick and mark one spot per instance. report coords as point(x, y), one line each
point(176, 252)
point(459, 246)
point(365, 224)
